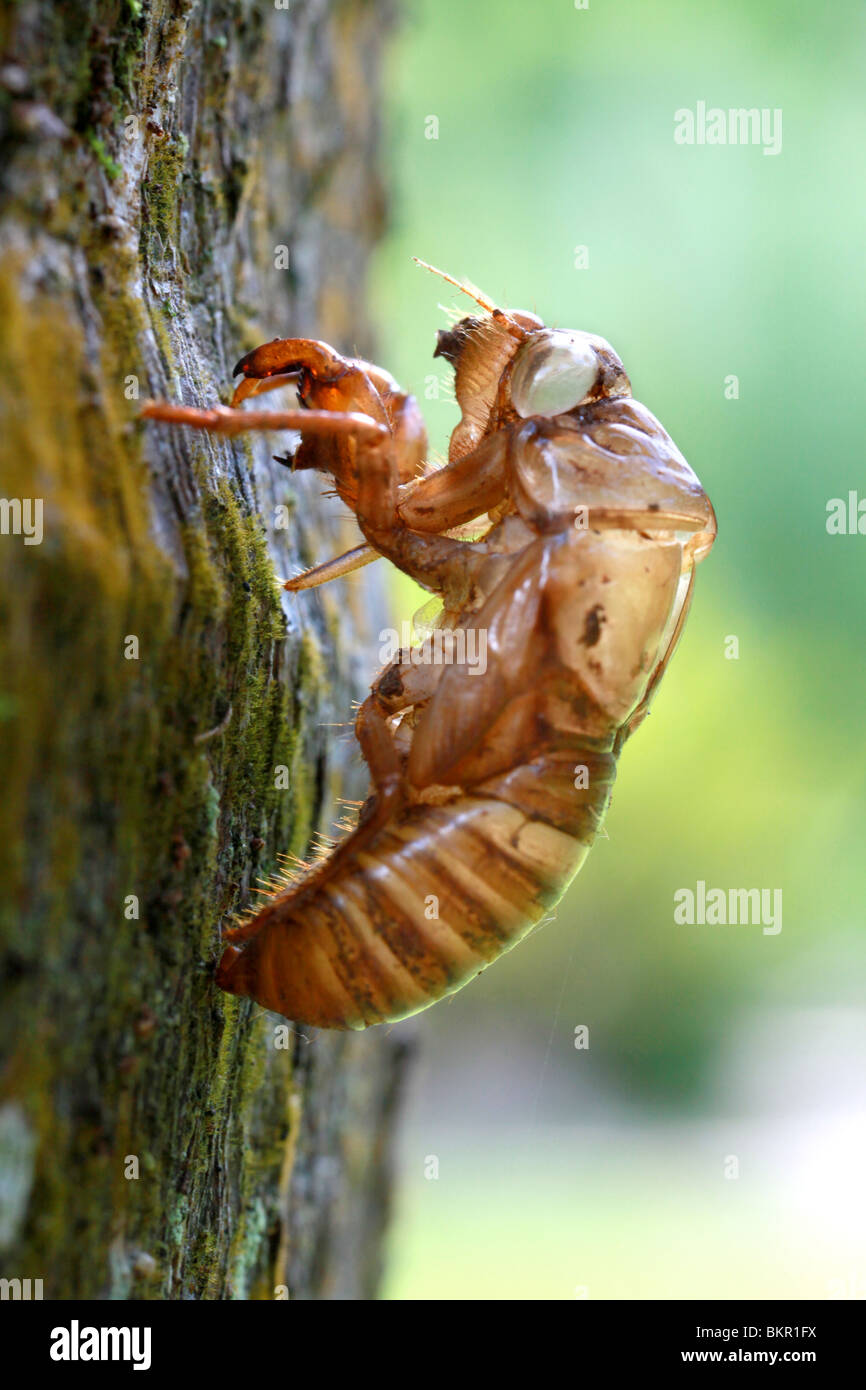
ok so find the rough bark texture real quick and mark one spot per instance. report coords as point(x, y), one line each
point(156, 1140)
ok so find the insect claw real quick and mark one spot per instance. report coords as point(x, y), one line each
point(241, 366)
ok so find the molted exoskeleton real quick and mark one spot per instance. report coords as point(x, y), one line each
point(492, 750)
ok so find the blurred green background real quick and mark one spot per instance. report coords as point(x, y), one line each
point(601, 1173)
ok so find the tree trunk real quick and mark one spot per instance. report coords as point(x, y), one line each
point(182, 181)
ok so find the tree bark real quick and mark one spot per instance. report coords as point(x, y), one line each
point(182, 181)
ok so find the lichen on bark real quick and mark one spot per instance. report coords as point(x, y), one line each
point(156, 1139)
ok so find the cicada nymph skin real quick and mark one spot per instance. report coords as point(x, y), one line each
point(489, 780)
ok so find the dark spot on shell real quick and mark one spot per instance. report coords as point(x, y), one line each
point(592, 625)
point(391, 684)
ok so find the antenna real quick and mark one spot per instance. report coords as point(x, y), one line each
point(466, 287)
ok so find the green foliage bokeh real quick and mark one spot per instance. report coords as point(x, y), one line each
point(555, 130)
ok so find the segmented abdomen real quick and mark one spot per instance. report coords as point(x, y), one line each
point(438, 894)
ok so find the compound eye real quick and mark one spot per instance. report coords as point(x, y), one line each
point(553, 373)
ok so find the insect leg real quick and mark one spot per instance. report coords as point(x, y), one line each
point(401, 685)
point(346, 563)
point(441, 564)
point(459, 492)
point(225, 420)
point(405, 523)
point(441, 501)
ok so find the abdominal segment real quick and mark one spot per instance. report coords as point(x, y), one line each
point(437, 895)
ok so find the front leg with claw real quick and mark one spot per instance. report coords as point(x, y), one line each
point(360, 429)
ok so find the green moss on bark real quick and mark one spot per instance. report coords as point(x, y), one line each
point(151, 682)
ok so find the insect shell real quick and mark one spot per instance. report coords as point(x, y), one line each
point(489, 780)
